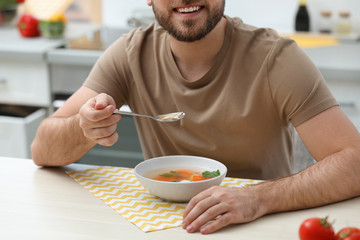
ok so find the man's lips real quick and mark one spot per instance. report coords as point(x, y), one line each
point(188, 9)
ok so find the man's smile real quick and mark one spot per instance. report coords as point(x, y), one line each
point(187, 9)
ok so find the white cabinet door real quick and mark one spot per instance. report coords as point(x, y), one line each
point(347, 93)
point(16, 134)
point(24, 83)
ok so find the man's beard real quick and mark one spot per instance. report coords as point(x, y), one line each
point(186, 31)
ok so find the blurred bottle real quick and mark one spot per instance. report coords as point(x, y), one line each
point(325, 23)
point(343, 26)
point(302, 20)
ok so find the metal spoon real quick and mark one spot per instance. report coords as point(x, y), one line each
point(168, 117)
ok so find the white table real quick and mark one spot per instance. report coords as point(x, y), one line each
point(45, 203)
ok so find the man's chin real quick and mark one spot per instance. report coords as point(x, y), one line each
point(187, 38)
point(188, 35)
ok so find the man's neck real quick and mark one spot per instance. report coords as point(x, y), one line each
point(196, 58)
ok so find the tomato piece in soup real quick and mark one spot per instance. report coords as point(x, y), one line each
point(184, 174)
point(165, 179)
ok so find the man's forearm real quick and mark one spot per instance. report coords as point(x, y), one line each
point(315, 186)
point(59, 141)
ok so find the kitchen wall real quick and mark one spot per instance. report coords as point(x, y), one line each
point(278, 14)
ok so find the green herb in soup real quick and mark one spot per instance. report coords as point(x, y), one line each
point(208, 174)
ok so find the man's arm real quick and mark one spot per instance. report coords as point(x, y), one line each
point(335, 143)
point(332, 140)
point(75, 128)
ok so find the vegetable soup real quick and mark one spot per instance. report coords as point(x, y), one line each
point(182, 175)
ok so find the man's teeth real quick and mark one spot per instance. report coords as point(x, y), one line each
point(187, 10)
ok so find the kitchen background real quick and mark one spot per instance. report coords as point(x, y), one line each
point(52, 69)
point(277, 14)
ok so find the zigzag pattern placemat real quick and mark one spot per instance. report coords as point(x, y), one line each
point(119, 189)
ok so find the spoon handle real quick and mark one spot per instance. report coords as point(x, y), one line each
point(131, 114)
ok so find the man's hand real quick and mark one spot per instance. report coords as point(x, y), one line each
point(98, 121)
point(223, 205)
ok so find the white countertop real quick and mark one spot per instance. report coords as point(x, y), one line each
point(45, 203)
point(14, 46)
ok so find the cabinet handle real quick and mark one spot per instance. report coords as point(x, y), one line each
point(347, 104)
point(3, 81)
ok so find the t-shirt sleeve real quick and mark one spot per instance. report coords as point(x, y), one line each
point(111, 73)
point(298, 89)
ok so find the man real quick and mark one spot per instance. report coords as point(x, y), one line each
point(242, 89)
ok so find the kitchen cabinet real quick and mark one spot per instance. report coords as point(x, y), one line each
point(71, 63)
point(340, 66)
point(24, 88)
point(24, 76)
point(18, 130)
point(24, 82)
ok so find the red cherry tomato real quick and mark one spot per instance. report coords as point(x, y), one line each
point(346, 232)
point(354, 236)
point(316, 229)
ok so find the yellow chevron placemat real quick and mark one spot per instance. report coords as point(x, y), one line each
point(119, 189)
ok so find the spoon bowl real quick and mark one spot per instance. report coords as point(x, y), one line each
point(168, 117)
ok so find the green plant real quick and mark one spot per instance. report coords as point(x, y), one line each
point(8, 3)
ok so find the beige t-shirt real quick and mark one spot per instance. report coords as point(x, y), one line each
point(241, 112)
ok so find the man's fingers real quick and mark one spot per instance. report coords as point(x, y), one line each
point(204, 217)
point(196, 199)
point(203, 211)
point(103, 100)
point(100, 132)
point(96, 115)
point(108, 141)
point(96, 119)
point(220, 222)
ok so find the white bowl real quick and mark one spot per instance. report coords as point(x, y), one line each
point(178, 191)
